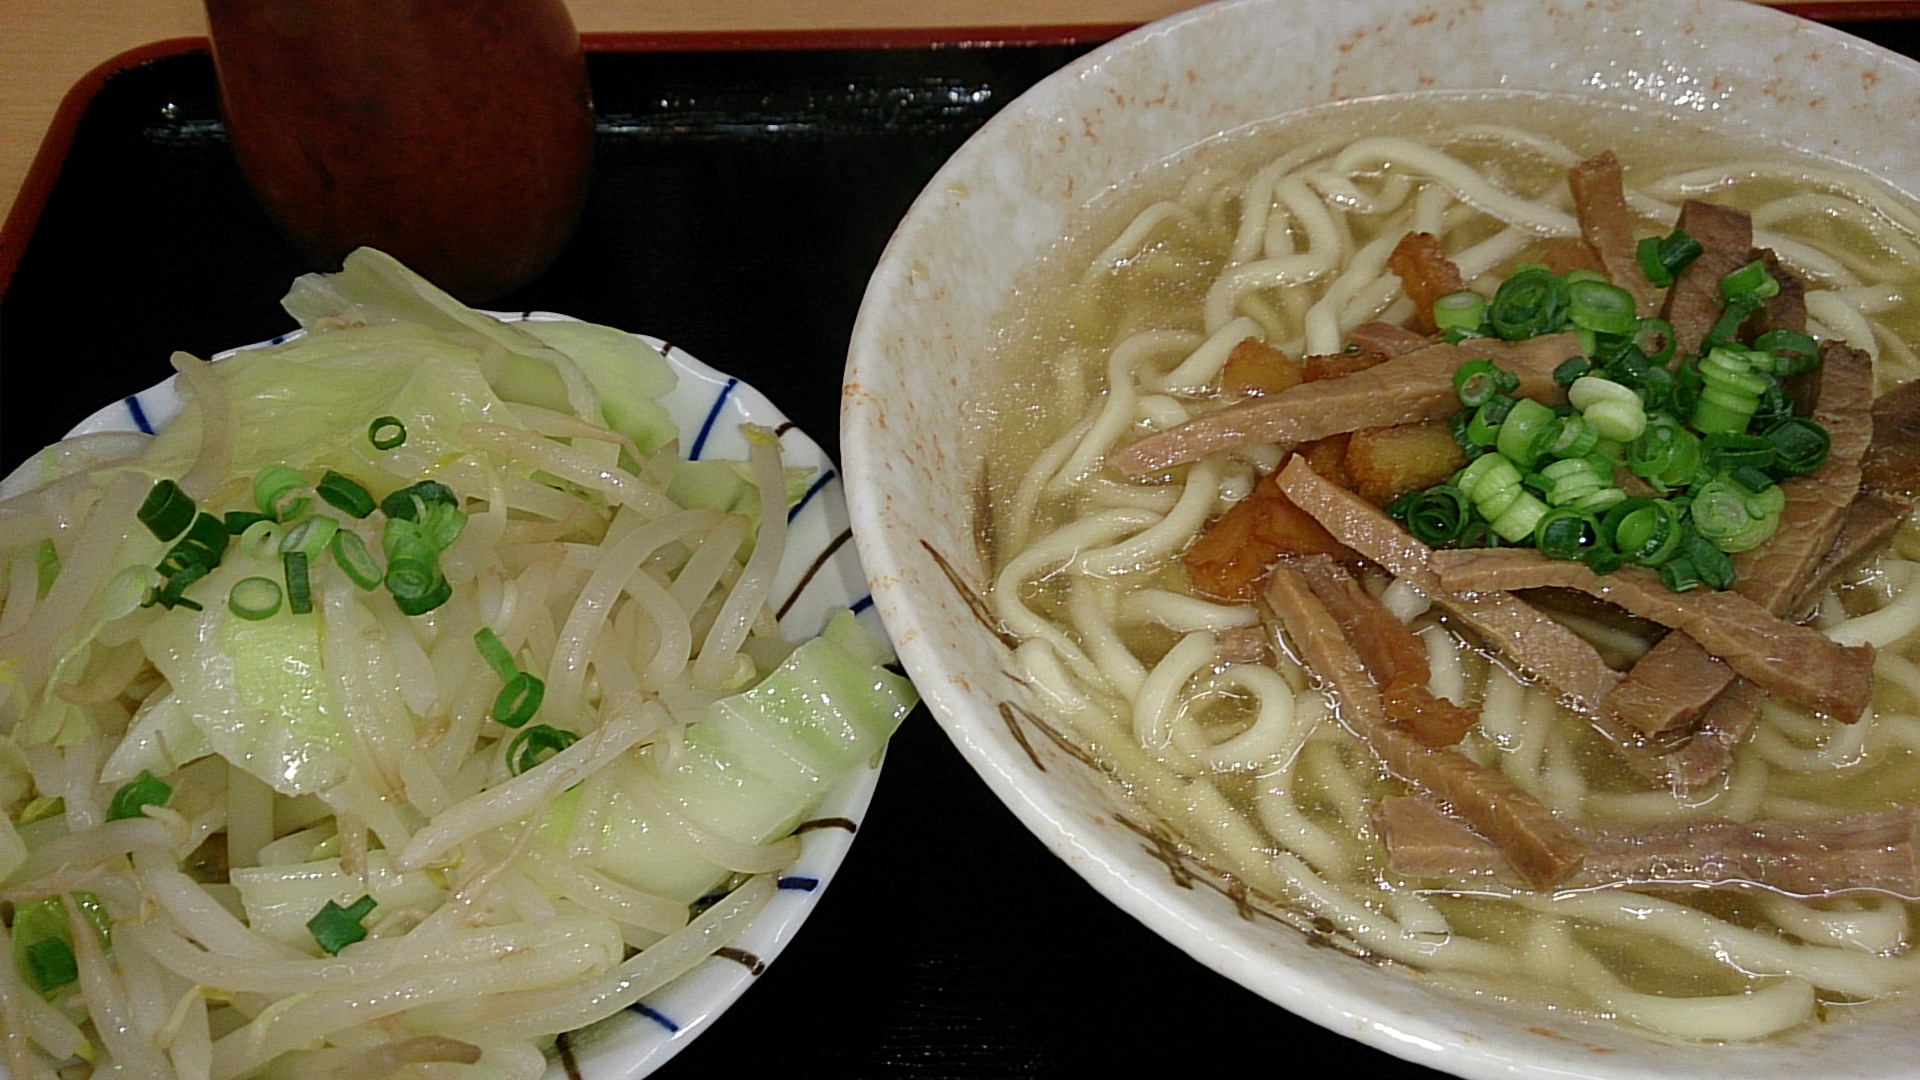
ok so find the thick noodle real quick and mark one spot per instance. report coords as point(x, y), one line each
point(1239, 757)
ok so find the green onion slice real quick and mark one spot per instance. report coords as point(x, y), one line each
point(498, 657)
point(1477, 381)
point(351, 553)
point(344, 495)
point(336, 927)
point(519, 699)
point(167, 511)
point(254, 598)
point(310, 536)
point(135, 795)
point(299, 591)
point(386, 433)
point(273, 489)
point(532, 745)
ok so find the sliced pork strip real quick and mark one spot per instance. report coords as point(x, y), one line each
point(1538, 846)
point(1775, 574)
point(1870, 524)
point(1405, 389)
point(1794, 662)
point(1668, 687)
point(1600, 204)
point(1892, 465)
point(1676, 680)
point(1874, 850)
point(1527, 637)
point(1393, 657)
point(1387, 340)
point(1694, 302)
point(1704, 759)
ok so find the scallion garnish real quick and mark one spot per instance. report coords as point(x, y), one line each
point(254, 598)
point(351, 553)
point(495, 652)
point(336, 927)
point(386, 433)
point(533, 744)
point(299, 591)
point(273, 492)
point(344, 495)
point(1663, 257)
point(1800, 445)
point(409, 503)
point(310, 536)
point(519, 699)
point(167, 511)
point(135, 795)
point(1600, 307)
point(1478, 381)
point(1530, 303)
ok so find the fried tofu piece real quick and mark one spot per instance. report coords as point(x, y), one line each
point(1387, 462)
point(1236, 551)
point(1255, 368)
point(1426, 275)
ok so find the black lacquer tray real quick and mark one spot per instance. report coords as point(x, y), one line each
point(739, 202)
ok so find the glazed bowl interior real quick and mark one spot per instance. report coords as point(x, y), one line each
point(922, 389)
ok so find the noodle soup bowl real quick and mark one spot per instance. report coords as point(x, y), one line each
point(925, 395)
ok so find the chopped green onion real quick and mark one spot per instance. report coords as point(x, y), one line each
point(1729, 394)
point(191, 558)
point(1570, 369)
point(1725, 450)
point(135, 795)
point(1800, 445)
point(1437, 516)
point(336, 927)
point(1728, 325)
point(355, 560)
point(1478, 381)
point(1530, 303)
point(1645, 531)
point(310, 536)
point(239, 521)
point(166, 511)
point(386, 433)
point(442, 524)
point(529, 747)
point(519, 699)
point(1601, 307)
point(1665, 455)
point(1792, 351)
point(1733, 518)
point(410, 576)
point(1483, 429)
point(1663, 257)
point(43, 939)
point(1524, 436)
point(273, 487)
point(254, 598)
point(1566, 533)
point(495, 653)
point(425, 602)
point(1751, 279)
point(261, 539)
point(408, 503)
point(299, 592)
point(1463, 311)
point(1655, 340)
point(344, 495)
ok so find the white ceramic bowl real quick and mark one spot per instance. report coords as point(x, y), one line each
point(914, 433)
point(819, 574)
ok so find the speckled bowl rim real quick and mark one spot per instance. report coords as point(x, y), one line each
point(910, 477)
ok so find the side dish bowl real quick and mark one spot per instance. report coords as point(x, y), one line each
point(922, 390)
point(818, 575)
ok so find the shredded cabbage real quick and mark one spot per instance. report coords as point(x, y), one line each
point(546, 546)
